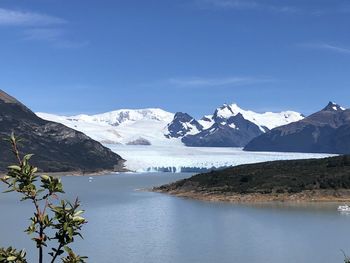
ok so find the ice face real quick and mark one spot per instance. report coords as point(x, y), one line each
point(179, 158)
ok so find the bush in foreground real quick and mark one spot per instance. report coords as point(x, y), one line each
point(53, 219)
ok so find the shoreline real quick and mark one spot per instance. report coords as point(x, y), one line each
point(77, 173)
point(307, 196)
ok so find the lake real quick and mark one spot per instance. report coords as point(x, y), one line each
point(129, 226)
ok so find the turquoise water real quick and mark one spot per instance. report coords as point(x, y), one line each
point(131, 226)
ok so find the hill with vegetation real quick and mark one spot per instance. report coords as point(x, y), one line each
point(311, 179)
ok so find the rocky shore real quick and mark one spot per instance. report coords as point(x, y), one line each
point(304, 196)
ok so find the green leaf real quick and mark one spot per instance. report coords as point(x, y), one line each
point(27, 156)
point(45, 177)
point(14, 167)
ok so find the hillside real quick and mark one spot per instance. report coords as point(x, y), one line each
point(56, 148)
point(311, 179)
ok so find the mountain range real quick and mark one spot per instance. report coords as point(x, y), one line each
point(56, 148)
point(228, 126)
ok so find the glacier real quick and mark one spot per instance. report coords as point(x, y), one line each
point(121, 126)
point(178, 158)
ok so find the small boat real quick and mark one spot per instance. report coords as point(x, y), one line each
point(344, 208)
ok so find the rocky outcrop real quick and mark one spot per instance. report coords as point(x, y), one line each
point(182, 125)
point(139, 141)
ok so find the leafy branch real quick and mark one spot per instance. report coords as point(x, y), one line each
point(63, 218)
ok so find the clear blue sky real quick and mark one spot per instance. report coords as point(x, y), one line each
point(67, 57)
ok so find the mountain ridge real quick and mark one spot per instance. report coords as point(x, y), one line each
point(231, 126)
point(325, 131)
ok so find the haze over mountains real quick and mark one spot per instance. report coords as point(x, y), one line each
point(228, 126)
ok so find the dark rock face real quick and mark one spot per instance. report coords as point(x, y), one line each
point(217, 117)
point(139, 141)
point(327, 131)
point(331, 106)
point(181, 125)
point(233, 132)
point(56, 148)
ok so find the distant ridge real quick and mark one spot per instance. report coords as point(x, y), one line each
point(326, 131)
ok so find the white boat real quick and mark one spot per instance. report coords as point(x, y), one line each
point(344, 208)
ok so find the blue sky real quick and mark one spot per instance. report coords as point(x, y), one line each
point(67, 57)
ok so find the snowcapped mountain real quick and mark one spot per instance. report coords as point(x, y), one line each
point(183, 124)
point(228, 126)
point(126, 116)
point(125, 126)
point(234, 131)
point(264, 120)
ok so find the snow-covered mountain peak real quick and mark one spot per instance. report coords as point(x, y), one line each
point(224, 112)
point(264, 120)
point(332, 106)
point(228, 110)
point(122, 116)
point(235, 108)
